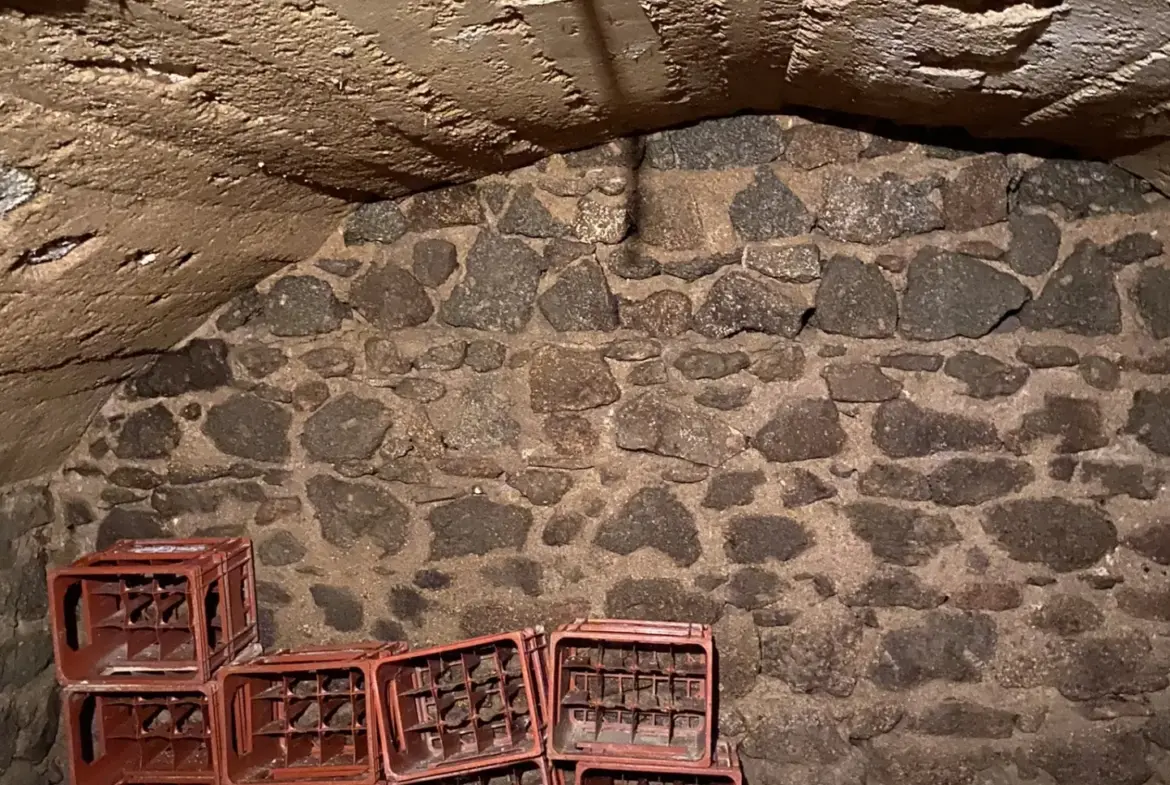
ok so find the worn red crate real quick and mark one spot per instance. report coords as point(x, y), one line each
point(302, 717)
point(142, 736)
point(534, 771)
point(724, 770)
point(454, 710)
point(153, 611)
point(624, 690)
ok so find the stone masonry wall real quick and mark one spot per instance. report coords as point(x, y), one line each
point(891, 416)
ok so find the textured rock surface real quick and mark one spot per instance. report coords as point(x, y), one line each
point(928, 532)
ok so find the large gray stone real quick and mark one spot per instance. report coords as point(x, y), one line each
point(653, 423)
point(949, 295)
point(652, 518)
point(390, 298)
point(1079, 297)
point(498, 287)
point(741, 301)
point(347, 428)
point(348, 511)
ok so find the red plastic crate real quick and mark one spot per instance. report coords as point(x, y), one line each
point(631, 691)
point(302, 717)
point(153, 611)
point(535, 771)
point(142, 736)
point(724, 770)
point(454, 710)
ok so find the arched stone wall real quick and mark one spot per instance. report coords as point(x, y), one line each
point(223, 134)
point(891, 415)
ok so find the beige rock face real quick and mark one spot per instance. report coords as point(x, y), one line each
point(182, 151)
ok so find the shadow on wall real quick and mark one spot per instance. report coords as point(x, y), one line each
point(46, 7)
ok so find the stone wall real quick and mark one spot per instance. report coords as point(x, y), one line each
point(29, 708)
point(892, 416)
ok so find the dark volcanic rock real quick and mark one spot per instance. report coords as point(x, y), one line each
point(299, 305)
point(433, 260)
point(767, 209)
point(892, 587)
point(200, 365)
point(1152, 295)
point(260, 362)
point(330, 362)
point(580, 299)
point(818, 654)
point(967, 481)
point(148, 433)
point(454, 205)
point(390, 298)
point(877, 210)
point(652, 423)
point(1047, 356)
point(985, 376)
point(702, 266)
point(988, 596)
point(1076, 422)
point(1079, 297)
point(855, 299)
point(800, 488)
point(961, 718)
point(741, 301)
point(903, 430)
point(443, 357)
point(801, 430)
point(977, 195)
point(1055, 532)
point(343, 609)
point(562, 529)
point(348, 511)
point(725, 143)
point(563, 379)
point(652, 518)
point(542, 487)
point(783, 362)
point(859, 383)
point(1034, 245)
point(1081, 188)
point(342, 268)
point(1149, 419)
point(662, 314)
point(753, 539)
point(526, 215)
point(1136, 480)
point(249, 427)
point(900, 535)
point(485, 355)
point(1091, 757)
point(570, 434)
point(123, 524)
point(483, 420)
point(912, 361)
point(280, 549)
point(800, 263)
point(660, 599)
point(1100, 372)
point(732, 489)
point(1152, 540)
point(476, 525)
point(724, 398)
point(498, 287)
point(946, 647)
point(814, 145)
point(241, 311)
point(375, 222)
point(348, 428)
point(894, 481)
point(949, 295)
point(703, 364)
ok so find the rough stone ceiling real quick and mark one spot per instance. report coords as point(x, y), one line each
point(220, 139)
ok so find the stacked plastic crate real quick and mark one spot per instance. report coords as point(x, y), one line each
point(633, 703)
point(165, 684)
point(139, 632)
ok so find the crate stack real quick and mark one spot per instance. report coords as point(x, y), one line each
point(633, 702)
point(165, 684)
point(140, 631)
